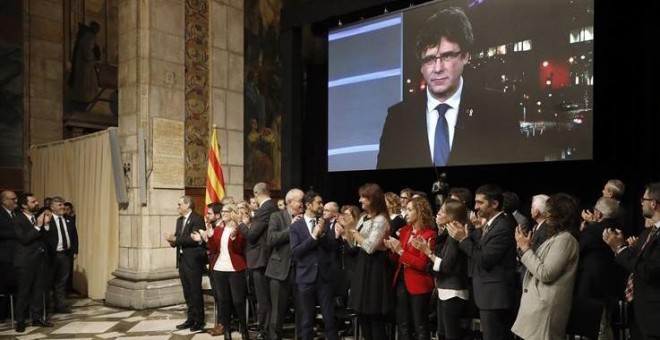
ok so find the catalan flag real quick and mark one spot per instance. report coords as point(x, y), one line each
point(215, 181)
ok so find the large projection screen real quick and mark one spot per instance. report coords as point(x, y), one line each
point(534, 56)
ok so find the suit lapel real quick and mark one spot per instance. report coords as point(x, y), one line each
point(287, 218)
point(179, 226)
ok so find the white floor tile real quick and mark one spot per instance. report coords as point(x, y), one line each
point(119, 315)
point(109, 335)
point(31, 336)
point(134, 319)
point(156, 325)
point(85, 327)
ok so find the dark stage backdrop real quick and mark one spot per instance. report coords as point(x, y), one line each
point(626, 126)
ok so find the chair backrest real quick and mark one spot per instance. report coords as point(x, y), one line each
point(585, 316)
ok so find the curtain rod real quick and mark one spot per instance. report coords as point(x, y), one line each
point(38, 146)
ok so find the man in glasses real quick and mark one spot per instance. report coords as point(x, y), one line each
point(452, 121)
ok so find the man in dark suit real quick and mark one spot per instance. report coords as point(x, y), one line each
point(63, 247)
point(642, 261)
point(191, 261)
point(7, 245)
point(313, 246)
point(280, 269)
point(258, 252)
point(539, 213)
point(597, 275)
point(452, 122)
point(31, 261)
point(491, 247)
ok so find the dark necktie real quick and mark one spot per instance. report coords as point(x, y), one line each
point(65, 243)
point(312, 223)
point(441, 144)
point(33, 221)
point(11, 214)
point(630, 289)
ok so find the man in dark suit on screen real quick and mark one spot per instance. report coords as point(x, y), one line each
point(313, 246)
point(257, 253)
point(492, 248)
point(191, 260)
point(451, 122)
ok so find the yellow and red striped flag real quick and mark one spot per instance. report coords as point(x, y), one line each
point(215, 181)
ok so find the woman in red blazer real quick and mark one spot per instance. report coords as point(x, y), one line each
point(226, 250)
point(412, 282)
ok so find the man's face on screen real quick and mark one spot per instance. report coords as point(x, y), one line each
point(442, 67)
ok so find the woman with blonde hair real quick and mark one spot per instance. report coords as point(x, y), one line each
point(229, 267)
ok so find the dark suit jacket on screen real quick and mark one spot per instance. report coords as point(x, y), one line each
point(486, 131)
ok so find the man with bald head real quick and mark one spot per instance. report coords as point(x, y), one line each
point(257, 253)
point(279, 269)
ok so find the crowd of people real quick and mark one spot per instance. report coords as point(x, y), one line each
point(38, 246)
point(478, 257)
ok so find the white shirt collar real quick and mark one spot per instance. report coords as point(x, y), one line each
point(451, 115)
point(493, 218)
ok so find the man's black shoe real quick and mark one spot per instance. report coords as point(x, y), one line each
point(262, 335)
point(42, 323)
point(184, 325)
point(20, 327)
point(197, 327)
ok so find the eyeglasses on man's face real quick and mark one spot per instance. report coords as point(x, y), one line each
point(226, 211)
point(446, 57)
point(646, 199)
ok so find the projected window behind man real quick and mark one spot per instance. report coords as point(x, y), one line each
point(487, 83)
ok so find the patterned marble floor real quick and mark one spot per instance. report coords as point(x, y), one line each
point(92, 320)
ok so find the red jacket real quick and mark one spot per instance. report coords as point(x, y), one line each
point(236, 249)
point(414, 263)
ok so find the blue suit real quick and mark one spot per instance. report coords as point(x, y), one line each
point(315, 270)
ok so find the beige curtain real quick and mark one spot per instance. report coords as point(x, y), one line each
point(80, 170)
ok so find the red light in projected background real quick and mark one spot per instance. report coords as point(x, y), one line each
point(554, 74)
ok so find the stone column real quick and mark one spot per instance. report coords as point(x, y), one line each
point(43, 70)
point(151, 103)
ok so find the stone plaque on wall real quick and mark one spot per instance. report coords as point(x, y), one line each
point(168, 146)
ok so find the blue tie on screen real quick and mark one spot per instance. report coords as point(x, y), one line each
point(441, 148)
